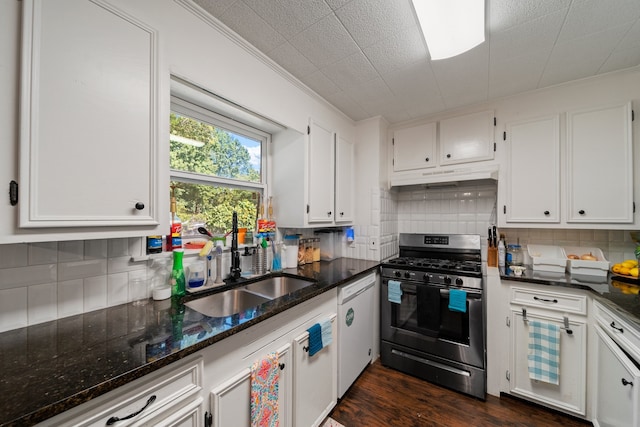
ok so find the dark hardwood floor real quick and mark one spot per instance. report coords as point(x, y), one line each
point(383, 397)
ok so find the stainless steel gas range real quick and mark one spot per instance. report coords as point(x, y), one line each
point(432, 311)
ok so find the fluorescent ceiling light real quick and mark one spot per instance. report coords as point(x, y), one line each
point(183, 140)
point(450, 27)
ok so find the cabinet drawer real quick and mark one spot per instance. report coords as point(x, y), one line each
point(172, 386)
point(566, 303)
point(622, 331)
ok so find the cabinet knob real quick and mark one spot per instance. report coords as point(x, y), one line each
point(426, 160)
point(341, 213)
point(448, 156)
point(139, 206)
point(625, 382)
point(329, 213)
point(546, 212)
point(581, 211)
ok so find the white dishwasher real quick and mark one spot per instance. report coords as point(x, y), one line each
point(355, 330)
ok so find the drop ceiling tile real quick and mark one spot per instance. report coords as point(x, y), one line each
point(320, 84)
point(537, 34)
point(581, 57)
point(370, 92)
point(244, 21)
point(403, 48)
point(503, 14)
point(289, 58)
point(350, 71)
point(215, 7)
point(369, 21)
point(337, 4)
point(325, 42)
point(414, 84)
point(623, 58)
point(591, 16)
point(516, 74)
point(289, 17)
point(347, 105)
point(464, 78)
point(632, 38)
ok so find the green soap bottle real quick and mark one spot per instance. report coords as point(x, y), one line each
point(177, 275)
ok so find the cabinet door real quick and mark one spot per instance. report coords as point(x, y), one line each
point(600, 165)
point(414, 148)
point(570, 394)
point(467, 138)
point(88, 116)
point(321, 173)
point(617, 398)
point(533, 171)
point(344, 180)
point(315, 390)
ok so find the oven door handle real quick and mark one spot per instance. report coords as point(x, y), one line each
point(470, 293)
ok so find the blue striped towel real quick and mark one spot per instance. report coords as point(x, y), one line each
point(458, 300)
point(315, 338)
point(544, 352)
point(394, 293)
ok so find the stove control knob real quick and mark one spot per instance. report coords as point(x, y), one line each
point(426, 278)
point(447, 280)
point(397, 273)
point(459, 281)
point(407, 275)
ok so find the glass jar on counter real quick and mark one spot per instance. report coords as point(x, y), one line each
point(514, 255)
point(316, 249)
point(308, 251)
point(301, 251)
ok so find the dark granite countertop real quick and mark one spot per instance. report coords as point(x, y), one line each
point(54, 366)
point(615, 292)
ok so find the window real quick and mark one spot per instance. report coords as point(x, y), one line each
point(217, 167)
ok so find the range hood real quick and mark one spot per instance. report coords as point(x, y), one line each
point(449, 176)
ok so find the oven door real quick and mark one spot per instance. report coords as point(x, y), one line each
point(422, 321)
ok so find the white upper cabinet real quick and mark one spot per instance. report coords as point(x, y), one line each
point(467, 138)
point(321, 172)
point(344, 180)
point(533, 171)
point(88, 117)
point(414, 148)
point(600, 165)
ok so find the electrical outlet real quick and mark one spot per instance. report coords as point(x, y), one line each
point(373, 243)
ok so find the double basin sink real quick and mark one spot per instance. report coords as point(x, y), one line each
point(237, 300)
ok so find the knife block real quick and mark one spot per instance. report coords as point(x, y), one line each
point(492, 257)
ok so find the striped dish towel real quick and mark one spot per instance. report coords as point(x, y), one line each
point(544, 352)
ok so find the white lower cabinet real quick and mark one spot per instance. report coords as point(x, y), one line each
point(616, 392)
point(168, 397)
point(315, 380)
point(569, 394)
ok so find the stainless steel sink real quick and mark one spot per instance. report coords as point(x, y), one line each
point(275, 287)
point(226, 303)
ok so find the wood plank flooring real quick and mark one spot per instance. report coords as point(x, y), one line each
point(383, 397)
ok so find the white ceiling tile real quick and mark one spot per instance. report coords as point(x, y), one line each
point(325, 42)
point(290, 17)
point(581, 57)
point(347, 105)
point(619, 59)
point(244, 21)
point(464, 77)
point(289, 58)
point(591, 16)
point(382, 18)
point(414, 84)
point(320, 83)
point(632, 38)
point(504, 14)
point(534, 35)
point(392, 53)
point(215, 7)
point(337, 4)
point(350, 71)
point(516, 74)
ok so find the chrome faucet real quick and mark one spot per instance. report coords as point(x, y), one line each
point(235, 255)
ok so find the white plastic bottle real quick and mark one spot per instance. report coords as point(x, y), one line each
point(501, 256)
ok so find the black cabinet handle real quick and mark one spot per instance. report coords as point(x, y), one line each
point(139, 206)
point(581, 212)
point(613, 325)
point(281, 366)
point(341, 213)
point(426, 160)
point(546, 212)
point(329, 213)
point(625, 382)
point(305, 348)
point(555, 301)
point(448, 156)
point(114, 420)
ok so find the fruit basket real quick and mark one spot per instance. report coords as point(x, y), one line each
point(590, 261)
point(627, 269)
point(547, 258)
